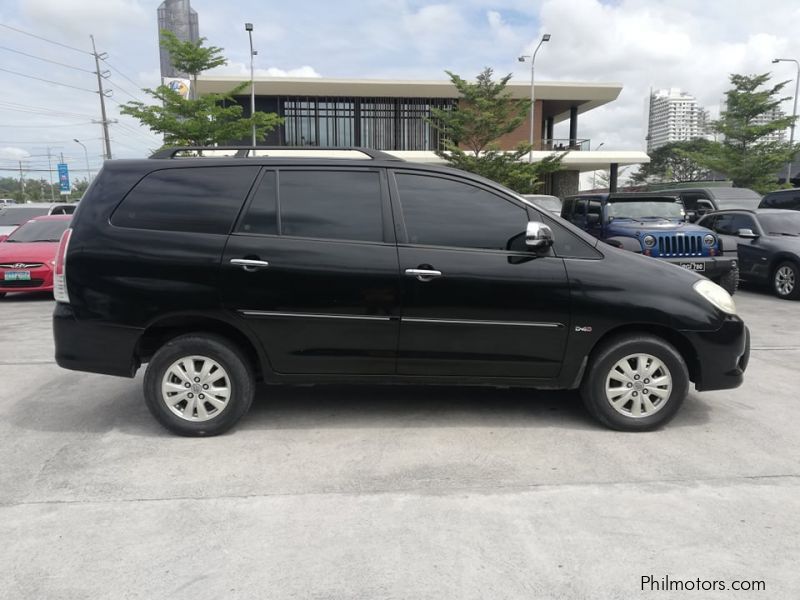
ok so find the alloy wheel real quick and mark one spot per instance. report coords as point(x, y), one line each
point(196, 388)
point(638, 385)
point(784, 280)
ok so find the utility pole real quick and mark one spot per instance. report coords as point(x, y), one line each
point(21, 185)
point(100, 91)
point(50, 175)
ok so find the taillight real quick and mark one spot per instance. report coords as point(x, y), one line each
point(60, 272)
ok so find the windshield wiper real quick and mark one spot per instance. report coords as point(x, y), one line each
point(784, 233)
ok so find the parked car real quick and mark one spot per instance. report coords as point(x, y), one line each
point(703, 200)
point(14, 215)
point(6, 202)
point(786, 199)
point(767, 244)
point(549, 203)
point(219, 272)
point(655, 226)
point(28, 255)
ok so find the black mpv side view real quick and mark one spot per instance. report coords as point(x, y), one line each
point(351, 265)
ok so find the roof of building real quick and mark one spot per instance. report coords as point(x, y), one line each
point(560, 95)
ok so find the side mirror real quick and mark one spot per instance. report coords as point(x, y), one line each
point(747, 233)
point(538, 236)
point(592, 219)
point(690, 216)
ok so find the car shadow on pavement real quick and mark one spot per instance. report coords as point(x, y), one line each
point(27, 297)
point(98, 408)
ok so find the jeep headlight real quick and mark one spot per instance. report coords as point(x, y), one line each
point(715, 295)
point(649, 241)
point(709, 240)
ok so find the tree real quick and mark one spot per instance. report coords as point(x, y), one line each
point(191, 57)
point(486, 111)
point(745, 155)
point(208, 120)
point(673, 162)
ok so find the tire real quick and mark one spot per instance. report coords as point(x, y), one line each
point(168, 398)
point(604, 368)
point(2, 295)
point(729, 281)
point(785, 281)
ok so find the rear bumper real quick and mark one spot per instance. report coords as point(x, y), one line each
point(722, 355)
point(712, 266)
point(94, 347)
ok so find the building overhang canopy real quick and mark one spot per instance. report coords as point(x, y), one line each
point(557, 96)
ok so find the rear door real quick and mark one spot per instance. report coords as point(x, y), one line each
point(312, 269)
point(476, 302)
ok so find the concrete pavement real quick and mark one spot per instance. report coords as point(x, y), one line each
point(400, 492)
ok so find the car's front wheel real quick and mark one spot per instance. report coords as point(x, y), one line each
point(786, 281)
point(635, 383)
point(729, 281)
point(198, 385)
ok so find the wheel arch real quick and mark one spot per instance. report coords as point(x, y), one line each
point(166, 328)
point(782, 257)
point(674, 337)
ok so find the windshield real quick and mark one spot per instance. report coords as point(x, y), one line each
point(645, 209)
point(39, 231)
point(788, 224)
point(16, 216)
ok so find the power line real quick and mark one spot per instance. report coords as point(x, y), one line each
point(40, 110)
point(48, 126)
point(48, 81)
point(119, 87)
point(113, 68)
point(44, 39)
point(55, 62)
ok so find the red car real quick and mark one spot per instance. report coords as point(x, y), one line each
point(27, 256)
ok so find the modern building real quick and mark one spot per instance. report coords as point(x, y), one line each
point(178, 17)
point(767, 117)
point(674, 116)
point(395, 116)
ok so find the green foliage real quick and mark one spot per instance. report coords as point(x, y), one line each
point(208, 120)
point(191, 57)
point(38, 190)
point(486, 111)
point(745, 156)
point(674, 162)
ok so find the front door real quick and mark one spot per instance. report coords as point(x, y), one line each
point(476, 302)
point(312, 269)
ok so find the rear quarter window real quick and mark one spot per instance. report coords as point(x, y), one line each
point(190, 199)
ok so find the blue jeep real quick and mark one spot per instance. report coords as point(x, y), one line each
point(655, 226)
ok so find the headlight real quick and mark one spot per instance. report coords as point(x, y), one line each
point(709, 240)
point(715, 295)
point(649, 241)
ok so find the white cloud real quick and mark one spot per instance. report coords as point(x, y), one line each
point(11, 153)
point(81, 17)
point(242, 69)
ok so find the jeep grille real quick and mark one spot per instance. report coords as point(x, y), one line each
point(680, 245)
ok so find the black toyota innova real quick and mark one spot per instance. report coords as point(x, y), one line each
point(224, 267)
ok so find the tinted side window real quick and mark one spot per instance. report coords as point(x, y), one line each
point(738, 222)
point(196, 199)
point(724, 225)
point(566, 210)
point(595, 208)
point(340, 205)
point(444, 212)
point(262, 212)
point(710, 222)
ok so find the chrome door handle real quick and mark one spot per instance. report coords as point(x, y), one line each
point(423, 274)
point(249, 265)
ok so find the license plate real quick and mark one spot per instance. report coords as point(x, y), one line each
point(17, 276)
point(694, 266)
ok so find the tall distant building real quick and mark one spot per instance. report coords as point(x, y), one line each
point(178, 17)
point(674, 116)
point(767, 117)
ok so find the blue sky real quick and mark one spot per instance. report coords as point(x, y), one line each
point(678, 43)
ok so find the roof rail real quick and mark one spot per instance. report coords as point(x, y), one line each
point(275, 151)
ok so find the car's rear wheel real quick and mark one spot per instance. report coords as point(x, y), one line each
point(786, 281)
point(198, 385)
point(635, 383)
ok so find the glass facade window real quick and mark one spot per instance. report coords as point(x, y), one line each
point(379, 123)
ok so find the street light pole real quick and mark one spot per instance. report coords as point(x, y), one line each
point(86, 154)
point(794, 112)
point(545, 38)
point(249, 28)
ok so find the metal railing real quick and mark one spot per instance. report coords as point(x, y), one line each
point(563, 144)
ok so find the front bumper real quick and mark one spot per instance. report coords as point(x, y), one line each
point(722, 355)
point(710, 266)
point(41, 281)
